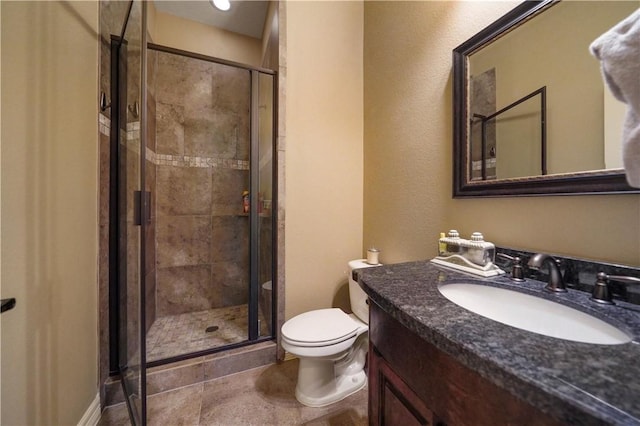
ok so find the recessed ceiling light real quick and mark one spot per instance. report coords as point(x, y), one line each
point(221, 4)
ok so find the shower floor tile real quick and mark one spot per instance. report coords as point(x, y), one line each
point(185, 333)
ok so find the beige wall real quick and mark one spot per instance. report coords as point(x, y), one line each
point(179, 33)
point(49, 210)
point(407, 151)
point(575, 102)
point(323, 150)
point(270, 32)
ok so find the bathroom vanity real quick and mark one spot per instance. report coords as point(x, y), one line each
point(434, 362)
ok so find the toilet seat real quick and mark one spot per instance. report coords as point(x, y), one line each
point(322, 327)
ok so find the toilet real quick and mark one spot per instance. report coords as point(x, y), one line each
point(332, 347)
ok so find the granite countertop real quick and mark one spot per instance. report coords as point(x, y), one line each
point(577, 383)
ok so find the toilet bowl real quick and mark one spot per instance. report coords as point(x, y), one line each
point(332, 348)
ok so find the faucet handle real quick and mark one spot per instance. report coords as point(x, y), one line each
point(601, 293)
point(624, 278)
point(517, 273)
point(506, 256)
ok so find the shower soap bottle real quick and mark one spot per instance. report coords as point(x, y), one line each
point(245, 201)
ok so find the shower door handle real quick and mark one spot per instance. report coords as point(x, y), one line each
point(7, 304)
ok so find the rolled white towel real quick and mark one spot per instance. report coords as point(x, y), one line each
point(619, 52)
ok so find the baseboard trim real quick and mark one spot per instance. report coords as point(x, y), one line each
point(91, 417)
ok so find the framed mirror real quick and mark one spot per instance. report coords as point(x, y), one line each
point(531, 113)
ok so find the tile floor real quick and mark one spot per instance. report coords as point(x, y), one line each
point(261, 396)
point(185, 333)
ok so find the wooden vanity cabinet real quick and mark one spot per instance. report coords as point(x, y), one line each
point(394, 403)
point(411, 382)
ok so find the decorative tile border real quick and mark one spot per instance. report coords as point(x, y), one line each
point(133, 130)
point(477, 165)
point(104, 124)
point(189, 161)
point(133, 135)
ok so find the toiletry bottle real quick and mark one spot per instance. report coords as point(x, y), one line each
point(245, 201)
point(442, 246)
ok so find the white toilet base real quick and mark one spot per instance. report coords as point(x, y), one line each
point(336, 374)
point(314, 390)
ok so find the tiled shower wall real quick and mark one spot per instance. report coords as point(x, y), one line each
point(202, 167)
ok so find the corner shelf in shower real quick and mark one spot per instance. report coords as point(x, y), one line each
point(247, 214)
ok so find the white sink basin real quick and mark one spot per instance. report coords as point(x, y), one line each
point(533, 314)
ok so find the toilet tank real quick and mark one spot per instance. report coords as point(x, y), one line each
point(357, 296)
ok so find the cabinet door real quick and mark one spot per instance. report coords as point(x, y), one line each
point(391, 401)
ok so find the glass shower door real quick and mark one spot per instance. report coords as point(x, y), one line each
point(131, 211)
point(213, 223)
point(264, 146)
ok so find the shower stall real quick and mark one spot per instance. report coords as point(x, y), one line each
point(210, 252)
point(191, 212)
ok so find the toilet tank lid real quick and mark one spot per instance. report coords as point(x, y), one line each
point(361, 263)
point(322, 325)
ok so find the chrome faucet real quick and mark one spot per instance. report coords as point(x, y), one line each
point(556, 283)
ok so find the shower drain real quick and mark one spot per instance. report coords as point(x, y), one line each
point(212, 328)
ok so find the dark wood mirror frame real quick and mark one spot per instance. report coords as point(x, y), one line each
point(591, 182)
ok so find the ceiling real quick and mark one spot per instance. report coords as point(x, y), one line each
point(244, 17)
